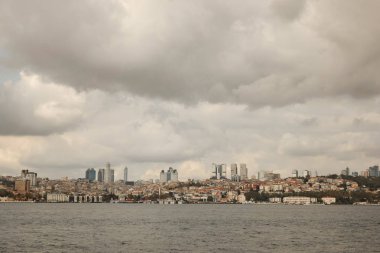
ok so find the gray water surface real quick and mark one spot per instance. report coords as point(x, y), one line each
point(32, 227)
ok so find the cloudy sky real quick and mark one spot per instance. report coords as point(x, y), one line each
point(278, 85)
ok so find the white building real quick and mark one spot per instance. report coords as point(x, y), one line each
point(298, 200)
point(328, 200)
point(57, 198)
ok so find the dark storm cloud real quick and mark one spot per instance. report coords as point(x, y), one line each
point(256, 53)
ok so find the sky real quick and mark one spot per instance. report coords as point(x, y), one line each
point(277, 84)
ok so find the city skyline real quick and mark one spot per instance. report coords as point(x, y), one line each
point(277, 85)
point(217, 171)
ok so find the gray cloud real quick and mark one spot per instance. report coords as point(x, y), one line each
point(278, 85)
point(253, 53)
point(32, 107)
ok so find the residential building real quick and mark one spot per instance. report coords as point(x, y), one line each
point(31, 176)
point(22, 185)
point(295, 173)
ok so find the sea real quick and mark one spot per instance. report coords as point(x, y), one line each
point(70, 227)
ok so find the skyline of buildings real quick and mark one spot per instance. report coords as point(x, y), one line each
point(219, 171)
point(223, 190)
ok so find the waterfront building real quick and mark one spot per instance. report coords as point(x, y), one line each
point(91, 174)
point(328, 200)
point(57, 198)
point(297, 200)
point(101, 175)
point(219, 171)
point(295, 173)
point(243, 171)
point(275, 200)
point(234, 173)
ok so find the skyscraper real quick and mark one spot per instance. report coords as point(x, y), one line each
point(295, 173)
point(234, 172)
point(170, 176)
point(306, 173)
point(125, 174)
point(243, 171)
point(101, 175)
point(91, 174)
point(219, 171)
point(163, 177)
point(109, 174)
